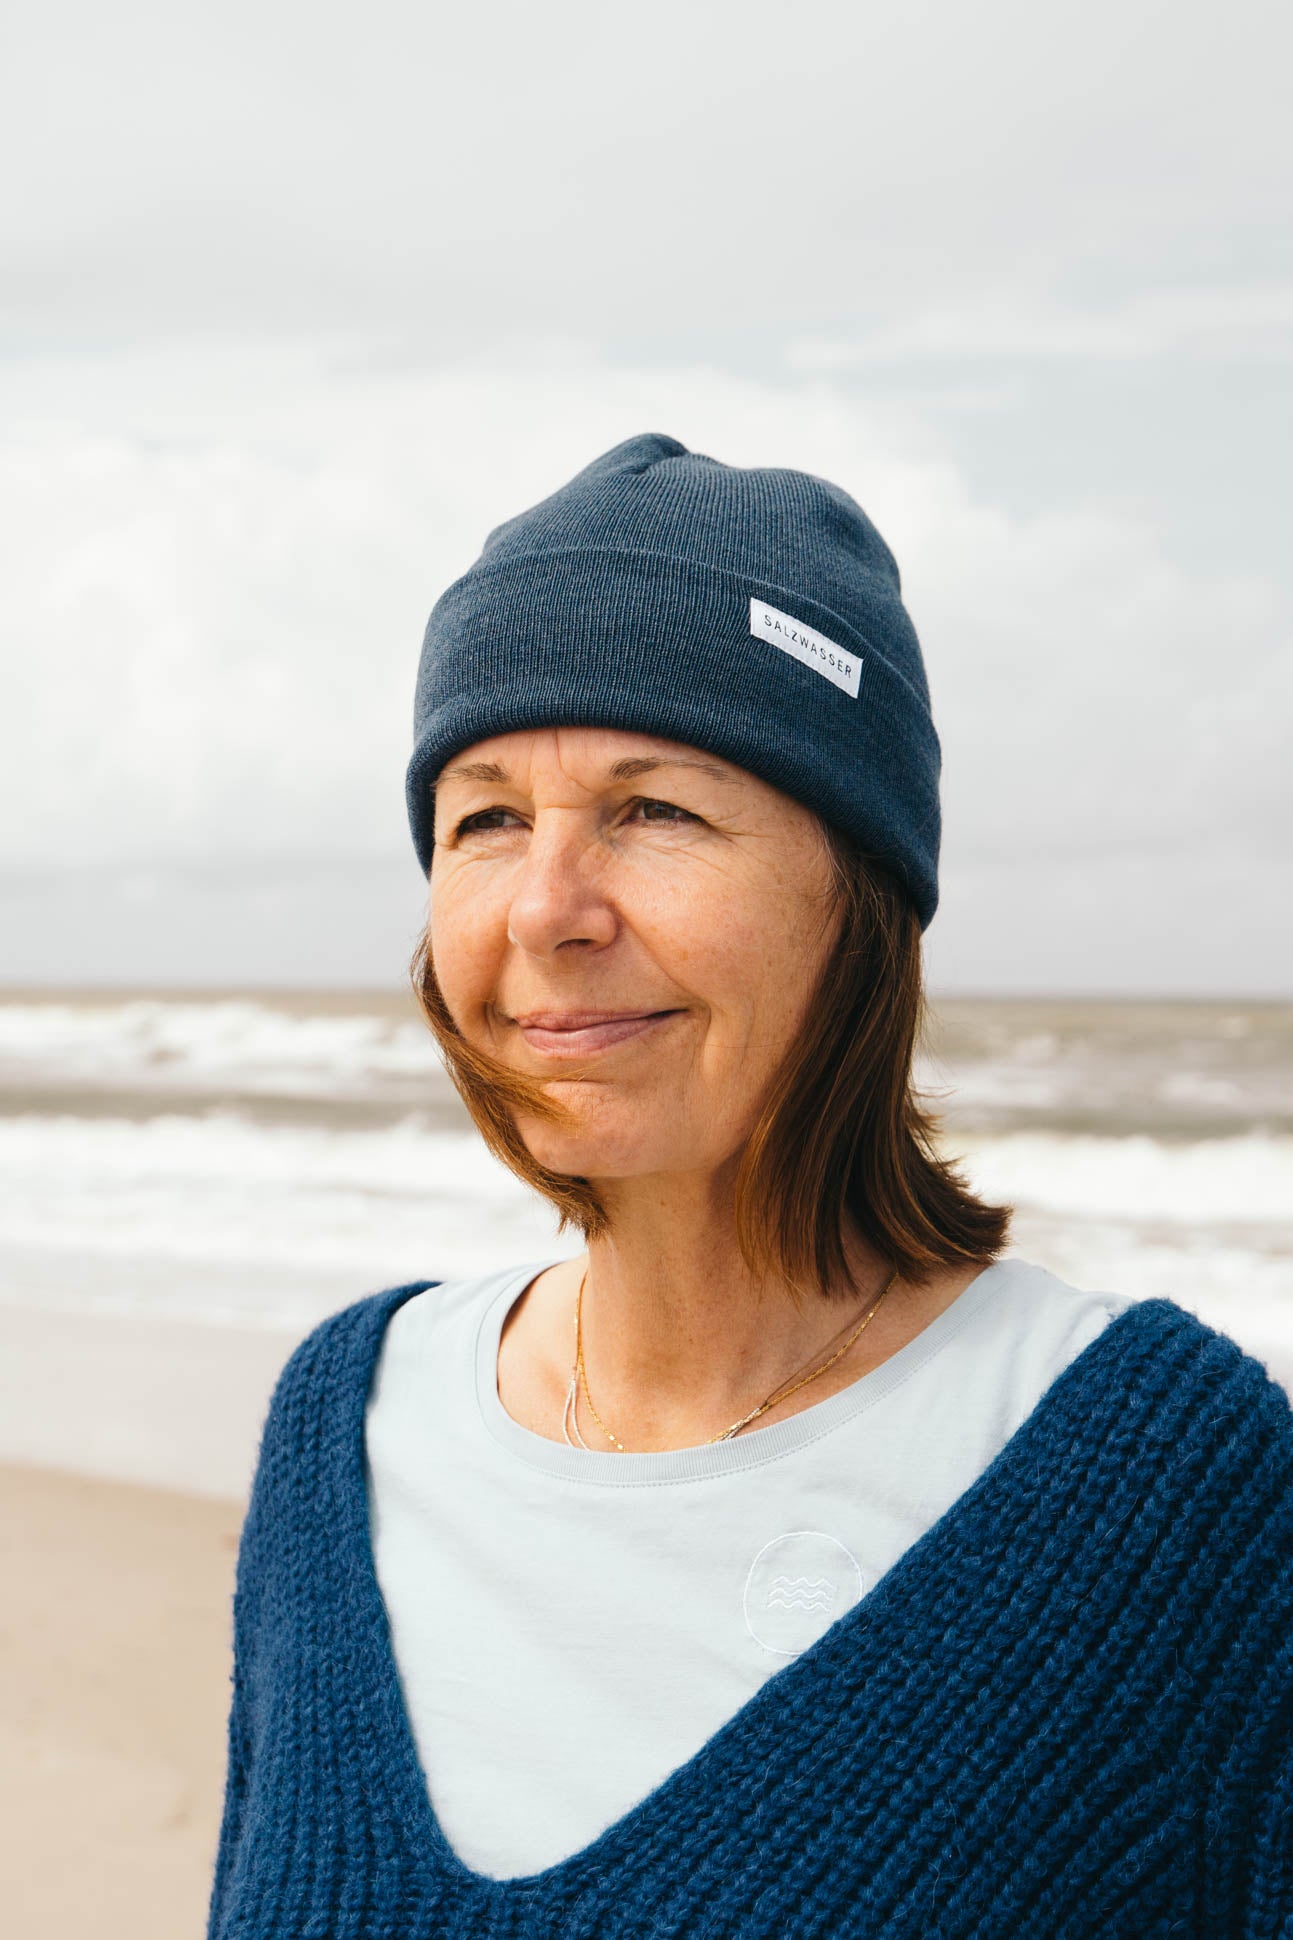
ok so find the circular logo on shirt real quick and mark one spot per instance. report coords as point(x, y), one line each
point(798, 1584)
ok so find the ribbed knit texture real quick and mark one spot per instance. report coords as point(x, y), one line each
point(623, 600)
point(1066, 1711)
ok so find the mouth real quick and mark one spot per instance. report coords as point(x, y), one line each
point(577, 1033)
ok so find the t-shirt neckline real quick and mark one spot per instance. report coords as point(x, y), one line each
point(750, 1449)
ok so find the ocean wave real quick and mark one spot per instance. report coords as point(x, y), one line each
point(256, 1044)
point(1184, 1072)
point(173, 1204)
point(1247, 1178)
point(218, 1191)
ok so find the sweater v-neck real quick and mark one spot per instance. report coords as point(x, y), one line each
point(369, 1652)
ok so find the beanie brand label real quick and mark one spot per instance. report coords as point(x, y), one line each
point(804, 644)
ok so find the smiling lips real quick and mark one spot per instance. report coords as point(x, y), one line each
point(574, 1033)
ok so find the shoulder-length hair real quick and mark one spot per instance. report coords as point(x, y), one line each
point(842, 1139)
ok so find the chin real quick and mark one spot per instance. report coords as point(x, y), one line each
point(578, 1159)
point(583, 1155)
point(619, 1134)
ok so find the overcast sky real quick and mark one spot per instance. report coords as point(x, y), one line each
point(298, 304)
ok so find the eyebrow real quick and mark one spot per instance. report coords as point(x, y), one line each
point(627, 769)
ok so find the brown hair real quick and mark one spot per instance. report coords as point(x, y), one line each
point(842, 1137)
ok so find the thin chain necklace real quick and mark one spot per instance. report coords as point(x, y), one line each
point(578, 1375)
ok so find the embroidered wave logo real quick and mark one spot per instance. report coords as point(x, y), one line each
point(797, 1586)
point(800, 1593)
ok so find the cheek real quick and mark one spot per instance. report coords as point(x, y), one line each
point(757, 968)
point(468, 936)
point(703, 935)
point(743, 970)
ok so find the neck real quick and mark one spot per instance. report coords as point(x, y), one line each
point(680, 1339)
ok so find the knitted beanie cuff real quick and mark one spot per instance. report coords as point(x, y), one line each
point(654, 644)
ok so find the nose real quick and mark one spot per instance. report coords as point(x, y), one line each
point(559, 892)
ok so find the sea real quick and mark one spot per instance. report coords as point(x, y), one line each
point(262, 1158)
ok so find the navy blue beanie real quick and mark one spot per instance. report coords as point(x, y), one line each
point(754, 613)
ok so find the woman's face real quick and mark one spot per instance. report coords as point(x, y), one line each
point(635, 921)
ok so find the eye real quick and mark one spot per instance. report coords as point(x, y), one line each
point(471, 823)
point(671, 810)
point(663, 813)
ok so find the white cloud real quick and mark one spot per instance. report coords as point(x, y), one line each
point(225, 525)
point(1224, 320)
point(219, 628)
point(455, 173)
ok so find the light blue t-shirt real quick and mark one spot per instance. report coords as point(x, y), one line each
point(570, 1625)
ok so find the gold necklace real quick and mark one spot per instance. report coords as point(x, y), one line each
point(570, 1417)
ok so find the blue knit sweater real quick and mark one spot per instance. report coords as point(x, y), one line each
point(1065, 1712)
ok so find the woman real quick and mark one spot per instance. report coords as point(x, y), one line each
point(790, 1561)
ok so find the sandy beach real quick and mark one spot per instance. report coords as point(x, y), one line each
point(113, 1704)
point(115, 1650)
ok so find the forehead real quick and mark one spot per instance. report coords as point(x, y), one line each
point(593, 753)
